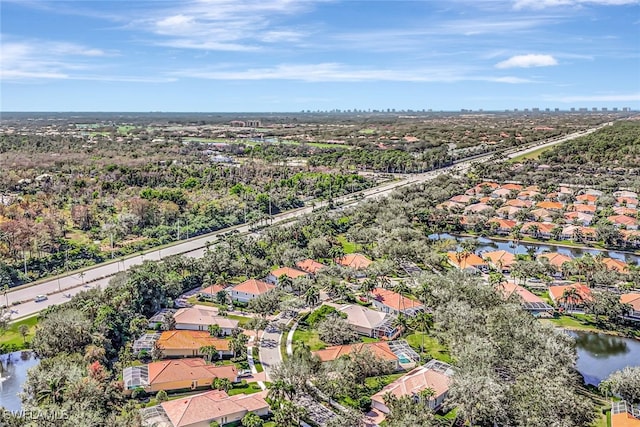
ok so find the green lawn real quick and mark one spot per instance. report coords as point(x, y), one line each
point(534, 155)
point(241, 319)
point(369, 339)
point(431, 346)
point(11, 336)
point(576, 321)
point(256, 360)
point(310, 337)
point(378, 383)
point(347, 246)
point(244, 388)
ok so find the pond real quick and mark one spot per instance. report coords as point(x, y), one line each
point(600, 354)
point(487, 245)
point(13, 374)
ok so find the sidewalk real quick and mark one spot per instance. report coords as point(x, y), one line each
point(252, 365)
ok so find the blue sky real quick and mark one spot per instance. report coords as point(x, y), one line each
point(281, 55)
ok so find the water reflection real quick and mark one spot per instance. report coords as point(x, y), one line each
point(13, 374)
point(601, 346)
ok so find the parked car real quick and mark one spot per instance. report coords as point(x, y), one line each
point(244, 373)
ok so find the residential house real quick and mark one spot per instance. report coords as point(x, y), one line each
point(543, 230)
point(502, 226)
point(198, 318)
point(589, 209)
point(623, 210)
point(250, 289)
point(541, 214)
point(500, 193)
point(581, 218)
point(557, 295)
point(171, 375)
point(450, 206)
point(203, 409)
point(310, 266)
point(530, 301)
point(624, 414)
point(392, 302)
point(550, 206)
point(188, 344)
point(629, 202)
point(512, 187)
point(500, 260)
point(509, 212)
point(484, 188)
point(434, 375)
point(467, 261)
point(370, 323)
point(477, 208)
point(462, 199)
point(532, 188)
point(528, 194)
point(587, 199)
point(565, 190)
point(633, 300)
point(356, 261)
point(517, 203)
point(627, 222)
point(289, 272)
point(380, 349)
point(212, 291)
point(555, 259)
point(625, 193)
point(631, 237)
point(616, 265)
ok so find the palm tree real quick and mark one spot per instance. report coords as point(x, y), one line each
point(571, 298)
point(280, 390)
point(222, 384)
point(312, 296)
point(214, 330)
point(285, 281)
point(210, 352)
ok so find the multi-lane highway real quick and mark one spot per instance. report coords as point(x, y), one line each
point(60, 290)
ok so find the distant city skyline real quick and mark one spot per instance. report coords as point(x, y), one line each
point(293, 56)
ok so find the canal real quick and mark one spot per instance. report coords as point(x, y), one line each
point(13, 375)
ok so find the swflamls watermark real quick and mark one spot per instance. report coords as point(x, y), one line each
point(41, 414)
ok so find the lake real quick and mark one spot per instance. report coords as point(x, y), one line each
point(13, 375)
point(600, 354)
point(486, 245)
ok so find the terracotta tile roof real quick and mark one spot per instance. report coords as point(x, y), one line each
point(289, 272)
point(543, 227)
point(254, 287)
point(510, 288)
point(508, 210)
point(550, 205)
point(168, 371)
point(477, 208)
point(502, 258)
point(587, 198)
point(504, 224)
point(627, 200)
point(555, 259)
point(623, 220)
point(394, 300)
point(461, 198)
point(540, 213)
point(463, 261)
point(584, 208)
point(517, 203)
point(215, 404)
point(414, 382)
point(556, 292)
point(616, 264)
point(632, 299)
point(623, 210)
point(516, 187)
point(624, 419)
point(202, 315)
point(380, 349)
point(213, 289)
point(309, 266)
point(190, 340)
point(357, 261)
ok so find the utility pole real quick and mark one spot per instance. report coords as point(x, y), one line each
point(24, 258)
point(178, 228)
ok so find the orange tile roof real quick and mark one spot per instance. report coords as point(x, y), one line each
point(632, 299)
point(414, 382)
point(190, 340)
point(556, 292)
point(517, 187)
point(394, 300)
point(461, 198)
point(167, 371)
point(510, 288)
point(556, 259)
point(624, 419)
point(627, 200)
point(463, 261)
point(309, 266)
point(289, 272)
point(587, 198)
point(616, 264)
point(585, 208)
point(357, 261)
point(623, 220)
point(505, 224)
point(211, 405)
point(380, 349)
point(623, 210)
point(517, 203)
point(254, 287)
point(502, 258)
point(213, 289)
point(550, 205)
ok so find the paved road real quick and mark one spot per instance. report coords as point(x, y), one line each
point(99, 275)
point(270, 355)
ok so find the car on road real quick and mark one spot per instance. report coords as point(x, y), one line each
point(40, 298)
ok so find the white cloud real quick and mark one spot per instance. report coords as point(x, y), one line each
point(336, 72)
point(543, 4)
point(528, 61)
